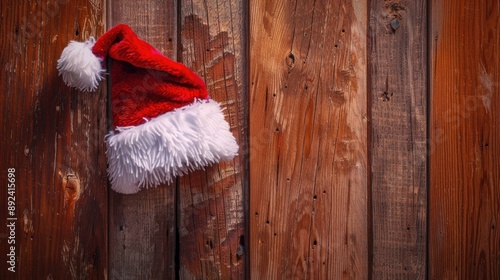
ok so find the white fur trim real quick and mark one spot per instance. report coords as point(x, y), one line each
point(169, 145)
point(79, 67)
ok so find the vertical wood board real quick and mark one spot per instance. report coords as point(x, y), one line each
point(464, 236)
point(53, 137)
point(210, 201)
point(398, 133)
point(142, 228)
point(308, 144)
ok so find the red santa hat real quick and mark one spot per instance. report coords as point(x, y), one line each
point(165, 124)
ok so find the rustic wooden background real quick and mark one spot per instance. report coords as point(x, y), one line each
point(370, 144)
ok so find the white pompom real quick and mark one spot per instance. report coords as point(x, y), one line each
point(79, 67)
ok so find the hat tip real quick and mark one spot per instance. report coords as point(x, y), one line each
point(79, 67)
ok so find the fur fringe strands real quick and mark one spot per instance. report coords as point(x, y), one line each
point(172, 144)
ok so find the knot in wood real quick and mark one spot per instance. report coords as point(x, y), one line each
point(72, 190)
point(290, 60)
point(240, 251)
point(395, 24)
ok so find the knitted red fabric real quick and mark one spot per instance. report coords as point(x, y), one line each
point(145, 84)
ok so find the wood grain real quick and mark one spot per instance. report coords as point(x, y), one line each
point(54, 137)
point(464, 237)
point(142, 230)
point(398, 133)
point(308, 124)
point(210, 211)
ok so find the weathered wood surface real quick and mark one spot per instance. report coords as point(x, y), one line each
point(210, 202)
point(397, 48)
point(464, 236)
point(338, 120)
point(142, 229)
point(54, 138)
point(308, 144)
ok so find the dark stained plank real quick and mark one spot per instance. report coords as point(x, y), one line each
point(464, 239)
point(210, 202)
point(54, 138)
point(142, 230)
point(308, 144)
point(398, 133)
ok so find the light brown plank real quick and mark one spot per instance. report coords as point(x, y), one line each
point(142, 227)
point(465, 140)
point(308, 127)
point(211, 229)
point(54, 138)
point(398, 104)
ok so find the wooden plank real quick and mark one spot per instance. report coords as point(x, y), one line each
point(464, 239)
point(53, 137)
point(211, 229)
point(142, 228)
point(308, 144)
point(398, 105)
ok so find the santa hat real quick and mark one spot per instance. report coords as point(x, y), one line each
point(165, 124)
